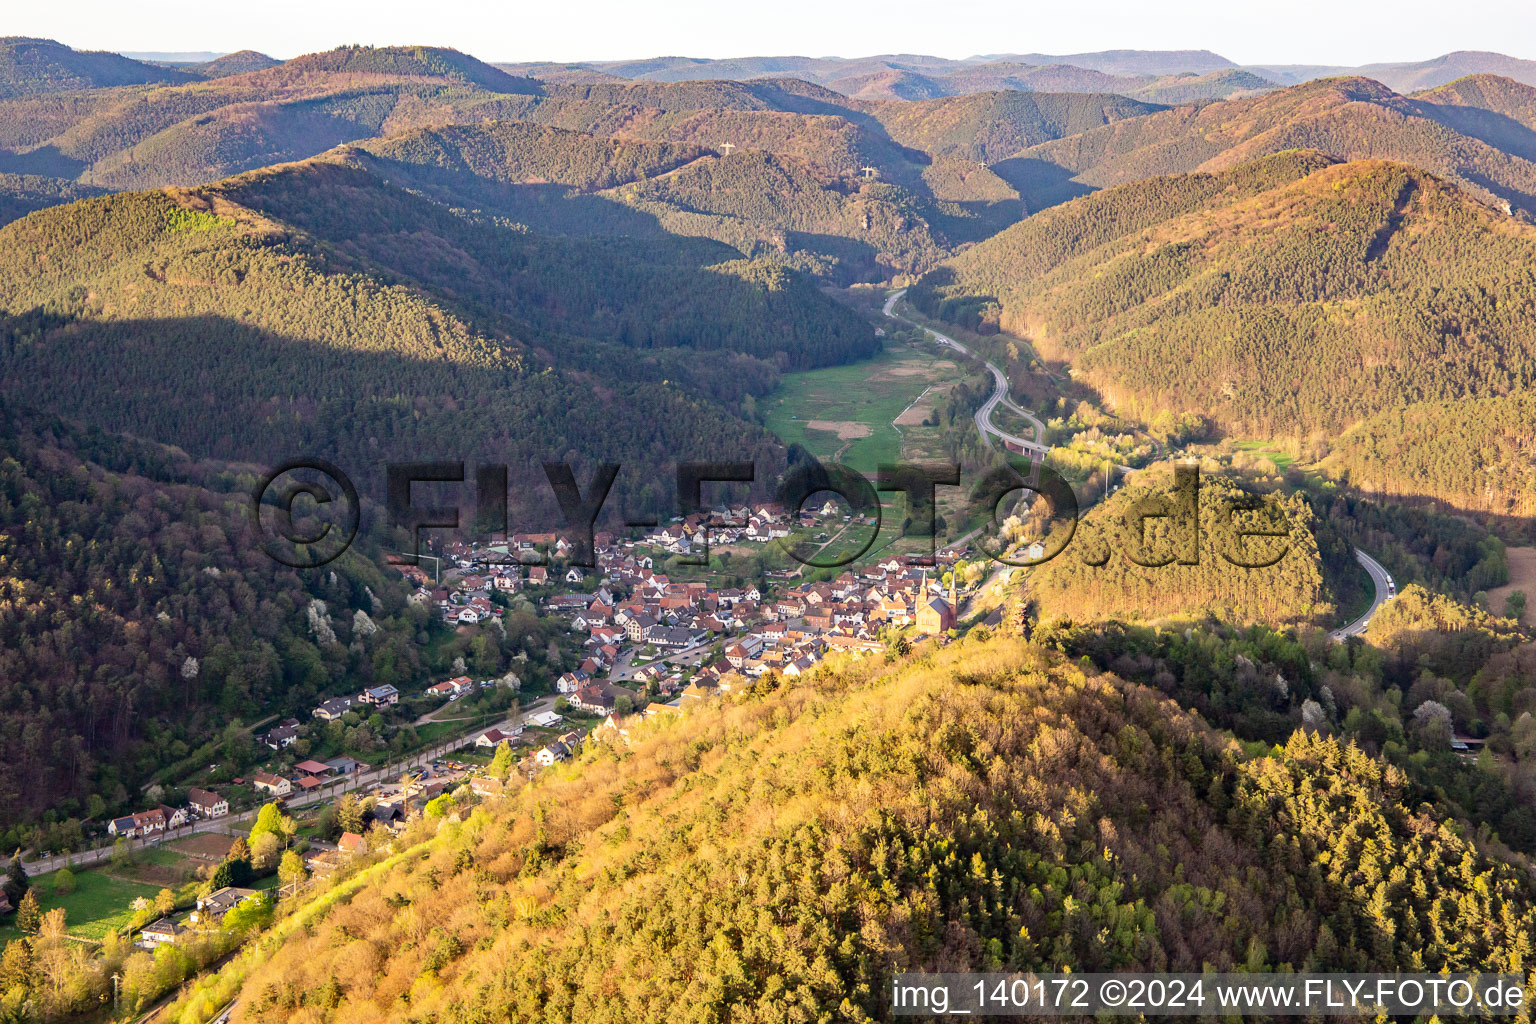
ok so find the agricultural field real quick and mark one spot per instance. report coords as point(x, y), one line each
point(849, 413)
point(869, 413)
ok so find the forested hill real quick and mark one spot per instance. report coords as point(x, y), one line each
point(1499, 111)
point(993, 126)
point(316, 309)
point(139, 618)
point(407, 61)
point(1348, 118)
point(1121, 567)
point(30, 67)
point(770, 168)
point(20, 194)
point(520, 152)
point(984, 807)
point(1281, 297)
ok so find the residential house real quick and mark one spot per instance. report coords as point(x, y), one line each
point(160, 933)
point(212, 908)
point(351, 843)
point(273, 784)
point(148, 823)
point(380, 695)
point(594, 699)
point(490, 738)
point(556, 751)
point(450, 687)
point(207, 804)
point(333, 709)
point(285, 735)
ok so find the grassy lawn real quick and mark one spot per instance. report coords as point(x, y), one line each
point(849, 409)
point(1268, 450)
point(100, 903)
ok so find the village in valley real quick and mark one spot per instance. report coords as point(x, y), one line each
point(652, 643)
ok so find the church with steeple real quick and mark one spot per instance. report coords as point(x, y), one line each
point(935, 614)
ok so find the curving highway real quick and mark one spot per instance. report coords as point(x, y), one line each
point(1386, 589)
point(998, 397)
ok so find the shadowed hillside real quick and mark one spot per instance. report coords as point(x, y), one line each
point(30, 67)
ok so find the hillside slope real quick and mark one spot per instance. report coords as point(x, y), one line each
point(1283, 297)
point(1113, 568)
point(983, 807)
point(1472, 454)
point(139, 617)
point(992, 126)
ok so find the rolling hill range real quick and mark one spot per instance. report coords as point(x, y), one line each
point(774, 182)
point(1408, 76)
point(1286, 296)
point(1193, 74)
point(1349, 118)
point(1128, 63)
point(984, 807)
point(189, 134)
point(848, 189)
point(298, 309)
point(799, 185)
point(1008, 75)
point(919, 76)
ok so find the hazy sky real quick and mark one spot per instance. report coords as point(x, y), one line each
point(1299, 31)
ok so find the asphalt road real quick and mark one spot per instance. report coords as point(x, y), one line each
point(998, 397)
point(1385, 591)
